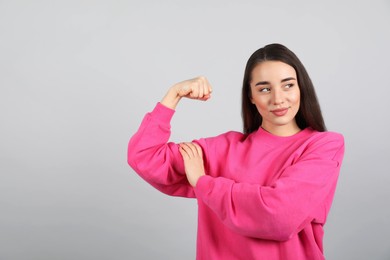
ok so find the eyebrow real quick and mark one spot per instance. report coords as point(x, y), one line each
point(267, 82)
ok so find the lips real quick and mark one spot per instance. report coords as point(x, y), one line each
point(280, 111)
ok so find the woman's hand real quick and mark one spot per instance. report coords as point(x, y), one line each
point(193, 161)
point(197, 88)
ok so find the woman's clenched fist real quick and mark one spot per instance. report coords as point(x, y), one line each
point(196, 88)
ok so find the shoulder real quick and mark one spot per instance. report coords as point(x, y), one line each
point(222, 141)
point(326, 143)
point(326, 137)
point(227, 137)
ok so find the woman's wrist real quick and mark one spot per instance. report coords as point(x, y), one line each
point(171, 98)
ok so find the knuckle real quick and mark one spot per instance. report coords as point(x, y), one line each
point(200, 79)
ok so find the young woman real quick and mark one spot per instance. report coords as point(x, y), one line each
point(264, 193)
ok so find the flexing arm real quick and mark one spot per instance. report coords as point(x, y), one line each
point(151, 155)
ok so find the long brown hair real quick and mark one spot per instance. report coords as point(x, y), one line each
point(309, 113)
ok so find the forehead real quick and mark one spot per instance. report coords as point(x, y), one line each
point(272, 70)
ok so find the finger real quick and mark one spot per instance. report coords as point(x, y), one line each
point(208, 85)
point(194, 90)
point(192, 149)
point(204, 98)
point(206, 90)
point(201, 87)
point(187, 148)
point(183, 153)
point(198, 149)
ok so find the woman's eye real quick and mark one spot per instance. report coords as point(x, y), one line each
point(264, 89)
point(289, 85)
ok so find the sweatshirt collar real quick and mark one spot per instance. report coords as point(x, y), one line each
point(272, 139)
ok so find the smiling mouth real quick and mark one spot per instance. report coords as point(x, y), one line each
point(280, 111)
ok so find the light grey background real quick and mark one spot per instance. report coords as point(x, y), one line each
point(76, 78)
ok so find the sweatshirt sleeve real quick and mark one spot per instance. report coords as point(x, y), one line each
point(156, 160)
point(280, 211)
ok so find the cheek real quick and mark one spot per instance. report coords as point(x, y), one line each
point(262, 106)
point(260, 102)
point(295, 98)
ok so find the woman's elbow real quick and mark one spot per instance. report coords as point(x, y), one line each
point(280, 231)
point(283, 230)
point(132, 158)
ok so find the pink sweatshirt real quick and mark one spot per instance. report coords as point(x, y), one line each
point(263, 196)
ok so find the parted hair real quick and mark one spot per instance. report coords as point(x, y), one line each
point(309, 113)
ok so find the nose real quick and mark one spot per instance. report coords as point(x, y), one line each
point(277, 97)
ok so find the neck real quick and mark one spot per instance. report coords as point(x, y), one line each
point(285, 130)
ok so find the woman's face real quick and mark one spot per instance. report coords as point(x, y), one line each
point(276, 95)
